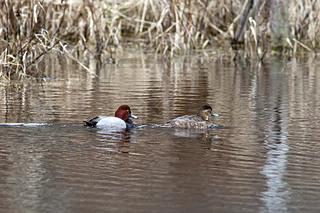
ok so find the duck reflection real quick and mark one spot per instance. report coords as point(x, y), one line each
point(203, 134)
point(114, 140)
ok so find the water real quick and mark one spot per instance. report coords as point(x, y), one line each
point(264, 156)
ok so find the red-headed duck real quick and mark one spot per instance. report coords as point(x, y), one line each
point(121, 119)
point(201, 120)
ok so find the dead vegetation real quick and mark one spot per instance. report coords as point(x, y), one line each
point(30, 29)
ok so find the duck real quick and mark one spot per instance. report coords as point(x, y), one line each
point(121, 119)
point(200, 120)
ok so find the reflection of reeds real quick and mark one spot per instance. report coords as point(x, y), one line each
point(29, 29)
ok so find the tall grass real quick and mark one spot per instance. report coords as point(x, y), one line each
point(25, 35)
point(30, 29)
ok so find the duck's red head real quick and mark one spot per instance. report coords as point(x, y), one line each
point(124, 112)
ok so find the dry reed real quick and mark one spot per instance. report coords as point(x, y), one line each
point(30, 29)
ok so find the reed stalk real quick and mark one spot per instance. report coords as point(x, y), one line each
point(31, 29)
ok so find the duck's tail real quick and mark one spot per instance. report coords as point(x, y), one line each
point(92, 122)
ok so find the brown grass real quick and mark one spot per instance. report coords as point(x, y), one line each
point(30, 29)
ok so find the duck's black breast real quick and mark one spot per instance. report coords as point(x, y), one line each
point(129, 124)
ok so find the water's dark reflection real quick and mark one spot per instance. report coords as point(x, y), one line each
point(264, 158)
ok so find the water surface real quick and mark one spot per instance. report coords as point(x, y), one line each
point(264, 157)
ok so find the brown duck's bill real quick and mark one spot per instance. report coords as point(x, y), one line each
point(214, 114)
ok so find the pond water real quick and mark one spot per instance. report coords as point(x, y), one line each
point(264, 156)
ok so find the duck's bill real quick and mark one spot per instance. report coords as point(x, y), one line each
point(214, 114)
point(133, 116)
